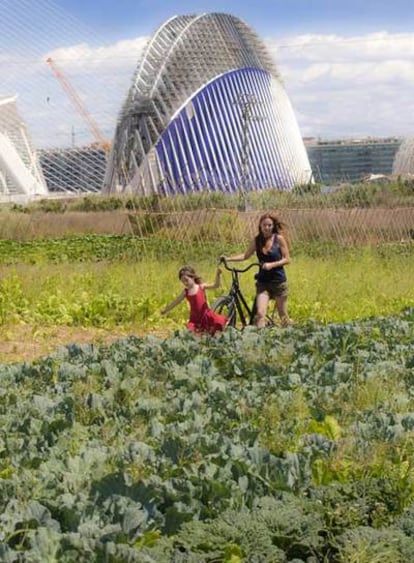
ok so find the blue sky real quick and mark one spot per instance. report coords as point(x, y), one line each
point(348, 65)
point(127, 18)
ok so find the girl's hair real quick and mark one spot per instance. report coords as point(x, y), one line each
point(278, 227)
point(190, 272)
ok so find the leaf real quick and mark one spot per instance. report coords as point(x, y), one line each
point(133, 519)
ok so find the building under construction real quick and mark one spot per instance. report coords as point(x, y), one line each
point(340, 161)
point(207, 111)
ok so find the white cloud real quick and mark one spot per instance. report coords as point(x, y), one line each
point(339, 86)
point(84, 56)
point(349, 86)
point(99, 76)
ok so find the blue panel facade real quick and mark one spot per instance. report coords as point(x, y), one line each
point(213, 144)
point(207, 111)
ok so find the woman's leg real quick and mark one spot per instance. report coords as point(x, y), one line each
point(281, 304)
point(262, 303)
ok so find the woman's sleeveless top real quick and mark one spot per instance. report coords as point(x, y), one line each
point(275, 275)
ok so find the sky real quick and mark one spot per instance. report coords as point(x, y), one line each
point(347, 65)
point(126, 18)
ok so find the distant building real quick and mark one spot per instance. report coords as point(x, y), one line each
point(78, 170)
point(404, 159)
point(207, 110)
point(351, 160)
point(74, 170)
point(20, 171)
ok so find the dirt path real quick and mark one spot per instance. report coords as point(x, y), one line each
point(26, 342)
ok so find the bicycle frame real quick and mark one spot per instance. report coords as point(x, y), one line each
point(245, 313)
point(234, 304)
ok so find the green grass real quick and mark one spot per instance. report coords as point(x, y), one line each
point(346, 286)
point(356, 285)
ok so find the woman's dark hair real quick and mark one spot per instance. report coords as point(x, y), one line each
point(278, 227)
point(190, 272)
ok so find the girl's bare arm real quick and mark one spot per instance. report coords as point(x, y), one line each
point(174, 303)
point(217, 281)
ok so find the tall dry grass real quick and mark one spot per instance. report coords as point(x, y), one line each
point(27, 226)
point(343, 226)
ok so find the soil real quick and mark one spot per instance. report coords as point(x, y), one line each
point(27, 342)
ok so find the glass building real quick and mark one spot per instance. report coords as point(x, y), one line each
point(351, 160)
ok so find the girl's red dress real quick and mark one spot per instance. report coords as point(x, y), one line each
point(202, 318)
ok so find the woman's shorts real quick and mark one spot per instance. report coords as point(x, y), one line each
point(273, 289)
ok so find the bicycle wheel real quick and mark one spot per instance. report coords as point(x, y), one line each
point(225, 306)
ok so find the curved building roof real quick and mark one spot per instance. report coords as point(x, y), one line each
point(206, 110)
point(404, 159)
point(20, 171)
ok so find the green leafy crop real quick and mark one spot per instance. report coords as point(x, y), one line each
point(249, 446)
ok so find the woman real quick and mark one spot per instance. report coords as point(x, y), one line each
point(272, 252)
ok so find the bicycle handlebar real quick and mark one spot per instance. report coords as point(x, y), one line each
point(239, 270)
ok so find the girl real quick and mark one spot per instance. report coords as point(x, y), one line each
point(202, 318)
point(272, 252)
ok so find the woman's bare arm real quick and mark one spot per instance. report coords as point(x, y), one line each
point(244, 256)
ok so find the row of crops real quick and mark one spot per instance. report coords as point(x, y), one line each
point(290, 445)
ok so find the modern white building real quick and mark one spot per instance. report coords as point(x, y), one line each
point(404, 159)
point(206, 110)
point(20, 171)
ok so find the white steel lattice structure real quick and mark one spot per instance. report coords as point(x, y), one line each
point(20, 171)
point(404, 159)
point(206, 111)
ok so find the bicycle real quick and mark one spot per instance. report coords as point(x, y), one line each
point(234, 305)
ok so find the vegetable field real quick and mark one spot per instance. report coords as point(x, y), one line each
point(291, 445)
point(94, 288)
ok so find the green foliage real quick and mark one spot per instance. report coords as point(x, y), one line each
point(13, 302)
point(392, 194)
point(173, 450)
point(367, 545)
point(283, 420)
point(52, 206)
point(70, 249)
point(111, 281)
point(119, 248)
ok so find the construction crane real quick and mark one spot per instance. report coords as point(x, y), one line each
point(79, 106)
